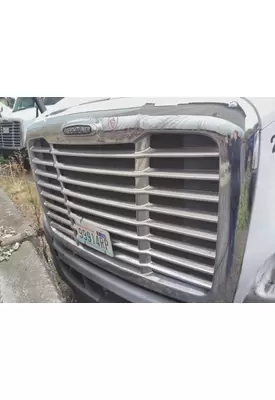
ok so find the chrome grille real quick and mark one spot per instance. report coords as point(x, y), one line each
point(10, 134)
point(158, 199)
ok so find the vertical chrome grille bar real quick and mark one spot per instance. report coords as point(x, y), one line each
point(62, 187)
point(142, 164)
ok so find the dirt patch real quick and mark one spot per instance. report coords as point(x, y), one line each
point(24, 194)
point(18, 184)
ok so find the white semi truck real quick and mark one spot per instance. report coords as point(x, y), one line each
point(159, 200)
point(16, 114)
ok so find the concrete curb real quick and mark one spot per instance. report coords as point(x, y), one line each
point(24, 277)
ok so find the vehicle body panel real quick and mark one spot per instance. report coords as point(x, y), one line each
point(261, 238)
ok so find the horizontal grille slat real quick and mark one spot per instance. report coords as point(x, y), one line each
point(187, 214)
point(184, 213)
point(58, 218)
point(150, 190)
point(130, 221)
point(109, 228)
point(183, 175)
point(182, 262)
point(170, 153)
point(61, 228)
point(166, 271)
point(45, 174)
point(149, 172)
point(40, 150)
point(52, 197)
point(93, 199)
point(49, 186)
point(56, 208)
point(183, 195)
point(127, 259)
point(182, 247)
point(42, 162)
point(181, 276)
point(154, 224)
point(183, 231)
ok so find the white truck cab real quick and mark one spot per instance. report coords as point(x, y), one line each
point(15, 120)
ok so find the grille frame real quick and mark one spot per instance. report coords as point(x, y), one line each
point(14, 139)
point(145, 277)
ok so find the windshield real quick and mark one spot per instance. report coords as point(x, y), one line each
point(50, 101)
point(23, 103)
point(8, 101)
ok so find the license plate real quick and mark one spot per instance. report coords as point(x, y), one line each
point(6, 130)
point(94, 237)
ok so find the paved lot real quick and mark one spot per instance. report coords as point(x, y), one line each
point(23, 277)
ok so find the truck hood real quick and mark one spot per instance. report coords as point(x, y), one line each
point(27, 115)
point(88, 104)
point(69, 103)
point(77, 105)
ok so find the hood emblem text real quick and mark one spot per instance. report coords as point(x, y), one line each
point(77, 130)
